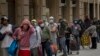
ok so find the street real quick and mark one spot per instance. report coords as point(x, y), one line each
point(87, 52)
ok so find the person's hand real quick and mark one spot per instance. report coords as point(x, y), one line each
point(6, 32)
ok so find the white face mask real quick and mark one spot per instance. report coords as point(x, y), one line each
point(35, 24)
point(51, 21)
point(42, 25)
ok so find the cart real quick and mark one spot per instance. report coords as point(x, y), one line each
point(85, 40)
point(73, 45)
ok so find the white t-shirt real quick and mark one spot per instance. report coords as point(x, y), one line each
point(7, 39)
point(35, 39)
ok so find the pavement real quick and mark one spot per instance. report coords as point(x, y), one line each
point(83, 52)
point(86, 52)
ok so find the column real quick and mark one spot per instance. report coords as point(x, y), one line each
point(43, 9)
point(81, 10)
point(71, 11)
point(54, 8)
point(98, 6)
point(3, 8)
point(88, 8)
point(68, 11)
point(21, 10)
point(94, 6)
point(38, 5)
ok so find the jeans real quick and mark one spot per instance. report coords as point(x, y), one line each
point(78, 41)
point(46, 47)
point(67, 43)
point(58, 42)
point(63, 45)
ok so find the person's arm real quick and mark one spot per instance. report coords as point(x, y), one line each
point(31, 30)
point(15, 34)
point(88, 29)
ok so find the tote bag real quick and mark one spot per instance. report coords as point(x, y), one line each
point(13, 48)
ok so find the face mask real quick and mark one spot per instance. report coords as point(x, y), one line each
point(42, 25)
point(35, 24)
point(51, 21)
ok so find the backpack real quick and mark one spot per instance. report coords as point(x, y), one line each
point(45, 35)
point(75, 30)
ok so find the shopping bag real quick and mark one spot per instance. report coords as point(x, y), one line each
point(54, 48)
point(86, 40)
point(13, 48)
point(73, 44)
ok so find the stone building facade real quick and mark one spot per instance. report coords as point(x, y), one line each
point(16, 10)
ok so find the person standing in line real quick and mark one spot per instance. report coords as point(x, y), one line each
point(22, 34)
point(62, 39)
point(6, 30)
point(75, 32)
point(35, 39)
point(67, 35)
point(93, 33)
point(53, 31)
point(45, 38)
point(87, 22)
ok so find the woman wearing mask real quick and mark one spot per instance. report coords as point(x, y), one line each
point(23, 34)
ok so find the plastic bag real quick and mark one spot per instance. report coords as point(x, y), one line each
point(13, 48)
point(54, 48)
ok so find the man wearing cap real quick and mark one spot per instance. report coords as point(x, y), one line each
point(7, 30)
point(35, 39)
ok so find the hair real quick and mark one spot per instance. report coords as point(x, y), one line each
point(27, 28)
point(2, 20)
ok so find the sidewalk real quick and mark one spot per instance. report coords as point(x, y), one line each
point(87, 52)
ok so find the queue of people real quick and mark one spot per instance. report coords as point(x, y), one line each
point(44, 38)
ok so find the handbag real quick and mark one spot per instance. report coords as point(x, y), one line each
point(2, 36)
point(13, 48)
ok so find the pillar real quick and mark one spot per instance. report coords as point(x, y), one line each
point(67, 11)
point(81, 3)
point(3, 8)
point(54, 8)
point(43, 10)
point(88, 8)
point(70, 11)
point(37, 8)
point(94, 6)
point(21, 10)
point(98, 10)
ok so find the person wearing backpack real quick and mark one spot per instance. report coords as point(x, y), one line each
point(45, 39)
